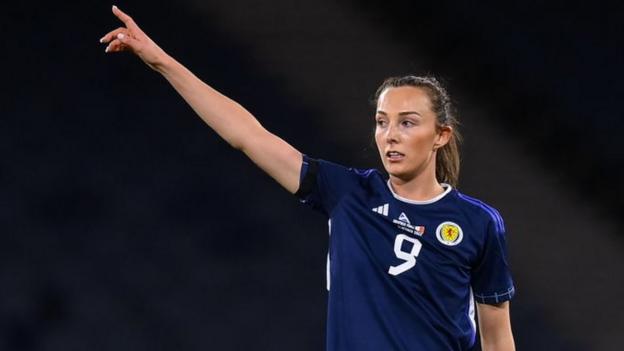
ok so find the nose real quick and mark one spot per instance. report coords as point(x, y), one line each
point(392, 133)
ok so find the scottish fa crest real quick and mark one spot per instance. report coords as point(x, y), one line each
point(449, 233)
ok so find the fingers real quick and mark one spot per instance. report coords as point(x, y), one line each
point(129, 37)
point(122, 42)
point(112, 35)
point(128, 41)
point(127, 20)
point(115, 46)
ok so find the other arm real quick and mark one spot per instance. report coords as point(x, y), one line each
point(227, 118)
point(495, 327)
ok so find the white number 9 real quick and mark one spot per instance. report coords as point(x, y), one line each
point(408, 257)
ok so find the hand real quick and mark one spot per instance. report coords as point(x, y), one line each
point(131, 38)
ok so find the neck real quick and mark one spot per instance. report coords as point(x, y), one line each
point(420, 188)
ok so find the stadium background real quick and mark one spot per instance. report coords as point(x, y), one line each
point(126, 224)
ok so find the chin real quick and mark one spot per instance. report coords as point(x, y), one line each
point(397, 171)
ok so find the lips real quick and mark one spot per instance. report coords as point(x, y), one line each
point(394, 155)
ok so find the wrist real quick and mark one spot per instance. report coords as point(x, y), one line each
point(162, 64)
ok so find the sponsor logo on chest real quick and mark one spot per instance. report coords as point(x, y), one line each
point(448, 233)
point(402, 222)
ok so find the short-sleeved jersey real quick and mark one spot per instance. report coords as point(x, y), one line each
point(403, 274)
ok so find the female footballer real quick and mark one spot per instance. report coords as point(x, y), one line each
point(409, 255)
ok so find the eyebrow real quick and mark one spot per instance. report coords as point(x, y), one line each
point(404, 113)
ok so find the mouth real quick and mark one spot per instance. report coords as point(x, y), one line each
point(394, 156)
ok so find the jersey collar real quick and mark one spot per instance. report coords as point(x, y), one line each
point(447, 190)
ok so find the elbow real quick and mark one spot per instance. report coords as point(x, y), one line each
point(236, 144)
point(247, 138)
point(239, 141)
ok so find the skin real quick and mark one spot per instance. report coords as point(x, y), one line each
point(226, 117)
point(414, 134)
point(406, 124)
point(495, 327)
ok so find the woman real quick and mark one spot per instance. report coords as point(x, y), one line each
point(408, 255)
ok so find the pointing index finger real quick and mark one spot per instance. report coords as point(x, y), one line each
point(127, 20)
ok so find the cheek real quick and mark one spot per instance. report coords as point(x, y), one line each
point(421, 139)
point(378, 138)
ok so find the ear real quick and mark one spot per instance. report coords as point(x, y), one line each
point(442, 138)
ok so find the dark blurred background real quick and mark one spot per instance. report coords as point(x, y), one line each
point(127, 224)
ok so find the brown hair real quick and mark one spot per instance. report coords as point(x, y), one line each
point(447, 157)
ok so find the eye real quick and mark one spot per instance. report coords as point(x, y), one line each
point(381, 123)
point(407, 123)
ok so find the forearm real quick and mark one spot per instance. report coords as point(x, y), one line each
point(495, 327)
point(504, 343)
point(225, 116)
point(235, 125)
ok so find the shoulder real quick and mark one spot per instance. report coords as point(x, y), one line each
point(329, 169)
point(334, 181)
point(481, 209)
point(363, 172)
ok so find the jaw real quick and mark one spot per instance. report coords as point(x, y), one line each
point(398, 169)
point(404, 170)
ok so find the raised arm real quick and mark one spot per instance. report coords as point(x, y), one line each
point(226, 117)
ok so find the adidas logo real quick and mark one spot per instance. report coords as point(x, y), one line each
point(383, 209)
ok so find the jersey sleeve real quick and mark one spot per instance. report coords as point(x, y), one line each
point(491, 277)
point(323, 184)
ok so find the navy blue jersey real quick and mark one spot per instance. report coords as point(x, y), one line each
point(404, 274)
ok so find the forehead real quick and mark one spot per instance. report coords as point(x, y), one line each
point(406, 98)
